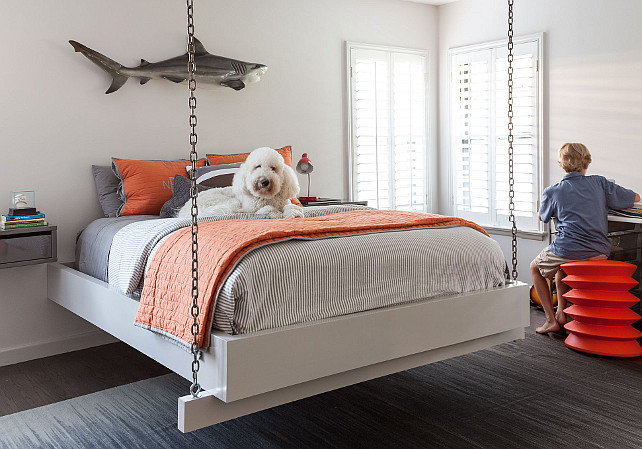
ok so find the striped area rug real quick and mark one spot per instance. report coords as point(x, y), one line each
point(533, 393)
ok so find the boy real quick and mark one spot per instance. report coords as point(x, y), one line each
point(580, 204)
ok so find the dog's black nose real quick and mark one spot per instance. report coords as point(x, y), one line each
point(265, 182)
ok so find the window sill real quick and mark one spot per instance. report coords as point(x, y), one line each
point(529, 235)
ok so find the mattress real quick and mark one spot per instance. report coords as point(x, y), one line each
point(93, 244)
point(297, 281)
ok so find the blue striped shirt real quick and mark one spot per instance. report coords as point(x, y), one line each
point(581, 205)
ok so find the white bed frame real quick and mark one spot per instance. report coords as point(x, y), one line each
point(242, 374)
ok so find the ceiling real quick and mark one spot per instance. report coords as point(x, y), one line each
point(432, 2)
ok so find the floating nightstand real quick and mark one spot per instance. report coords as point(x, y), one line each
point(27, 246)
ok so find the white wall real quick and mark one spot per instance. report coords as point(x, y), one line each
point(592, 66)
point(56, 121)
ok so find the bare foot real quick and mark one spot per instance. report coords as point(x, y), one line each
point(548, 327)
point(560, 317)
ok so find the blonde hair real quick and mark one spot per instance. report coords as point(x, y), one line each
point(574, 157)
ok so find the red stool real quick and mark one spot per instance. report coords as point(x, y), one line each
point(601, 311)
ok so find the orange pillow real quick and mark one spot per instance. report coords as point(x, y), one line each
point(218, 159)
point(146, 185)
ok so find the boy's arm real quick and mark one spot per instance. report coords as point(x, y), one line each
point(618, 197)
point(546, 207)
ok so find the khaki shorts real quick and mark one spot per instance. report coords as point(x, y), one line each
point(549, 263)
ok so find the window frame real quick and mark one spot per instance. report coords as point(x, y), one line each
point(538, 40)
point(352, 160)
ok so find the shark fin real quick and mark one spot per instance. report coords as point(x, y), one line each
point(143, 79)
point(117, 82)
point(174, 79)
point(108, 65)
point(199, 49)
point(234, 84)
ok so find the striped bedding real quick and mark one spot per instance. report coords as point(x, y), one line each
point(339, 276)
point(327, 277)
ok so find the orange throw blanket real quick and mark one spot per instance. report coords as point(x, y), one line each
point(166, 299)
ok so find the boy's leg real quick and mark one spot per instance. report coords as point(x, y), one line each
point(544, 293)
point(562, 289)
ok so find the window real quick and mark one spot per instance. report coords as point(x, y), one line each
point(479, 133)
point(388, 127)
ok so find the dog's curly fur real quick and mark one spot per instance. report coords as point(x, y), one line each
point(264, 184)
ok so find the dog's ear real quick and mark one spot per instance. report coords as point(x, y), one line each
point(238, 182)
point(290, 186)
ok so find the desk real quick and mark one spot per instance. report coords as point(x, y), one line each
point(625, 234)
point(615, 218)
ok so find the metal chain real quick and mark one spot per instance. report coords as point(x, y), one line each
point(195, 388)
point(511, 180)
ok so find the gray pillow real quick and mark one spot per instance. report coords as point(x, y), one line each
point(107, 188)
point(216, 175)
point(181, 187)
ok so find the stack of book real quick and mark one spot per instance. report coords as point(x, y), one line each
point(23, 221)
point(635, 211)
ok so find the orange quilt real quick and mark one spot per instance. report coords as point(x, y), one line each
point(166, 299)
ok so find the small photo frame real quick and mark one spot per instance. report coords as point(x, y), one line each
point(23, 199)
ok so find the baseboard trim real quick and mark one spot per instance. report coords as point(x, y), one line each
point(46, 348)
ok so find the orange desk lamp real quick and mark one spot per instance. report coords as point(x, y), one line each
point(305, 167)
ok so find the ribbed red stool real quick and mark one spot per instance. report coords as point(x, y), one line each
point(601, 311)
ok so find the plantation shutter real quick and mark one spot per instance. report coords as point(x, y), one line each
point(371, 124)
point(525, 135)
point(388, 135)
point(409, 93)
point(479, 107)
point(472, 132)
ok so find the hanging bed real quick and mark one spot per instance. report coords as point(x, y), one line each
point(319, 340)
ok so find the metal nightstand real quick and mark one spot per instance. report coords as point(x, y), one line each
point(27, 246)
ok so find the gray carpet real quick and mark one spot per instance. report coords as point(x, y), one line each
point(533, 393)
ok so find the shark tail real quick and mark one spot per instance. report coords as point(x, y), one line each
point(108, 65)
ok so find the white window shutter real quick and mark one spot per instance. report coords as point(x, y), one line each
point(388, 129)
point(409, 124)
point(472, 95)
point(371, 123)
point(479, 132)
point(525, 134)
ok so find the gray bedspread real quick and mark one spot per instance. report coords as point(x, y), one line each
point(296, 281)
point(94, 243)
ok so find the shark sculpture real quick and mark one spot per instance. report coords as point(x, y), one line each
point(210, 69)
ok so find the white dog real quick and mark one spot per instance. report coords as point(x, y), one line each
point(264, 185)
